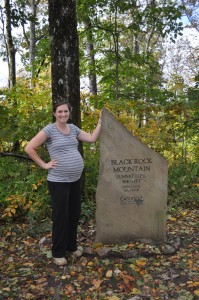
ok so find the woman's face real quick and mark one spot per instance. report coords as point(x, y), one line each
point(62, 113)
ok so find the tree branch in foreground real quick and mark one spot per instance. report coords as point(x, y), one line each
point(15, 155)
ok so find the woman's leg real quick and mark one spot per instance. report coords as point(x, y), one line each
point(74, 214)
point(60, 217)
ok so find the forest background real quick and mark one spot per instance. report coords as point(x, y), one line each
point(135, 59)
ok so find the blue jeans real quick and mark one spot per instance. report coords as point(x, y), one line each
point(66, 209)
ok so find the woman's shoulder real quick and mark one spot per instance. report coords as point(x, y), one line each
point(48, 128)
point(74, 128)
point(51, 125)
point(72, 125)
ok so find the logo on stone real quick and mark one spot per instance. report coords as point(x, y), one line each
point(132, 200)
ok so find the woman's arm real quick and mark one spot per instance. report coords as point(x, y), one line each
point(90, 137)
point(31, 148)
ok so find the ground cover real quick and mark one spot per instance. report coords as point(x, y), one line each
point(138, 270)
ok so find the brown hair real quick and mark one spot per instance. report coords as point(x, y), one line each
point(56, 105)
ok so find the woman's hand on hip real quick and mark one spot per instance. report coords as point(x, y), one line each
point(51, 164)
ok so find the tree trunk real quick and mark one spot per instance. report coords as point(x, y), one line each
point(116, 42)
point(65, 55)
point(32, 42)
point(10, 47)
point(91, 56)
point(191, 11)
point(11, 58)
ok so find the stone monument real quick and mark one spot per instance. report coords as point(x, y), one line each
point(131, 195)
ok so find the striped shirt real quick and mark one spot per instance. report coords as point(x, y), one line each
point(64, 149)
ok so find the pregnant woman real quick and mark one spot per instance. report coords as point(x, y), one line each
point(64, 177)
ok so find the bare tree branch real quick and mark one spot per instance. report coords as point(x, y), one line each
point(15, 155)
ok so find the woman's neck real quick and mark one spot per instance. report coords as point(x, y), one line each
point(61, 125)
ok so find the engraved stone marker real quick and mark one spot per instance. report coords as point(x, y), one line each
point(131, 194)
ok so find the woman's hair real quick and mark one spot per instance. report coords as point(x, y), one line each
point(55, 106)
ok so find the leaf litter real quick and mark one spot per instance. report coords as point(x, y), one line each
point(137, 270)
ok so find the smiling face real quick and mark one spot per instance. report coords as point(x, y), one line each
point(62, 113)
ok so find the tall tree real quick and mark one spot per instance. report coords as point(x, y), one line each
point(32, 39)
point(191, 9)
point(125, 35)
point(90, 52)
point(65, 54)
point(10, 45)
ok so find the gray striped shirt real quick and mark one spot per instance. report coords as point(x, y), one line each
point(64, 148)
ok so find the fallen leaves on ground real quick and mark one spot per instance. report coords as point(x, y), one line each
point(138, 270)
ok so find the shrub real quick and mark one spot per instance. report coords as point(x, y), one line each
point(183, 185)
point(23, 190)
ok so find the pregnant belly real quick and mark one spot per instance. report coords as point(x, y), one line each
point(69, 168)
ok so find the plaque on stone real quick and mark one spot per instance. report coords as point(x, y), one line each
point(131, 196)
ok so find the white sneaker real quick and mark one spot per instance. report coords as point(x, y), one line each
point(78, 252)
point(60, 261)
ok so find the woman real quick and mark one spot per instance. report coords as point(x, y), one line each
point(64, 177)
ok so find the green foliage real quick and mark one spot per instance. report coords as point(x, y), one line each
point(183, 185)
point(24, 113)
point(91, 157)
point(88, 209)
point(23, 190)
point(162, 125)
point(91, 162)
point(115, 26)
